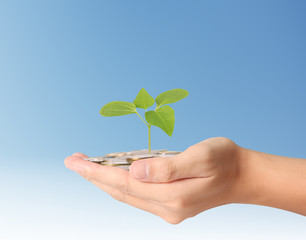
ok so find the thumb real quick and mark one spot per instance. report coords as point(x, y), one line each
point(167, 169)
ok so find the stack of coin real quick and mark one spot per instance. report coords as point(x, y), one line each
point(125, 159)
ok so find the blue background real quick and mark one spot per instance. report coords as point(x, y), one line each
point(243, 63)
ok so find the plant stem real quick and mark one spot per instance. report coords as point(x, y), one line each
point(149, 128)
point(141, 118)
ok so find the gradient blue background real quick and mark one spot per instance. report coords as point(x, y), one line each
point(243, 63)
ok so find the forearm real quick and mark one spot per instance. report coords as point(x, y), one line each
point(270, 180)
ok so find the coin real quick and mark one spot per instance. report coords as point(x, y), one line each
point(114, 154)
point(172, 152)
point(125, 159)
point(143, 156)
point(115, 164)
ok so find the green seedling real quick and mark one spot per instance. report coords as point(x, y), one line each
point(162, 116)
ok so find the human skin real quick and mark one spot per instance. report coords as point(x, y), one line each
point(208, 174)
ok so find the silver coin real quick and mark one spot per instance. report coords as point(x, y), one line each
point(142, 151)
point(142, 156)
point(114, 164)
point(114, 154)
point(125, 159)
point(126, 167)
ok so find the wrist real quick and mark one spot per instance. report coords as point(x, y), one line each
point(250, 180)
point(270, 180)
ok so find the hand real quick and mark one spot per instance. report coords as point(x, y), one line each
point(204, 176)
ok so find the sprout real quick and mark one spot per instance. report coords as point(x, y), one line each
point(162, 116)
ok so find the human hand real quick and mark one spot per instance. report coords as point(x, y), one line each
point(204, 176)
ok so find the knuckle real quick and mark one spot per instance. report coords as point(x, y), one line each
point(87, 173)
point(123, 184)
point(223, 140)
point(117, 195)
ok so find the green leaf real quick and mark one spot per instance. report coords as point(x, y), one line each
point(143, 99)
point(171, 96)
point(163, 118)
point(117, 108)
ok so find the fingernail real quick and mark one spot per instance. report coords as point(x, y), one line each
point(140, 170)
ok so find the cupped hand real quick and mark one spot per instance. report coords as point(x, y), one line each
point(205, 175)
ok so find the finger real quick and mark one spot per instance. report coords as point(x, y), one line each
point(80, 155)
point(118, 178)
point(142, 204)
point(187, 164)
